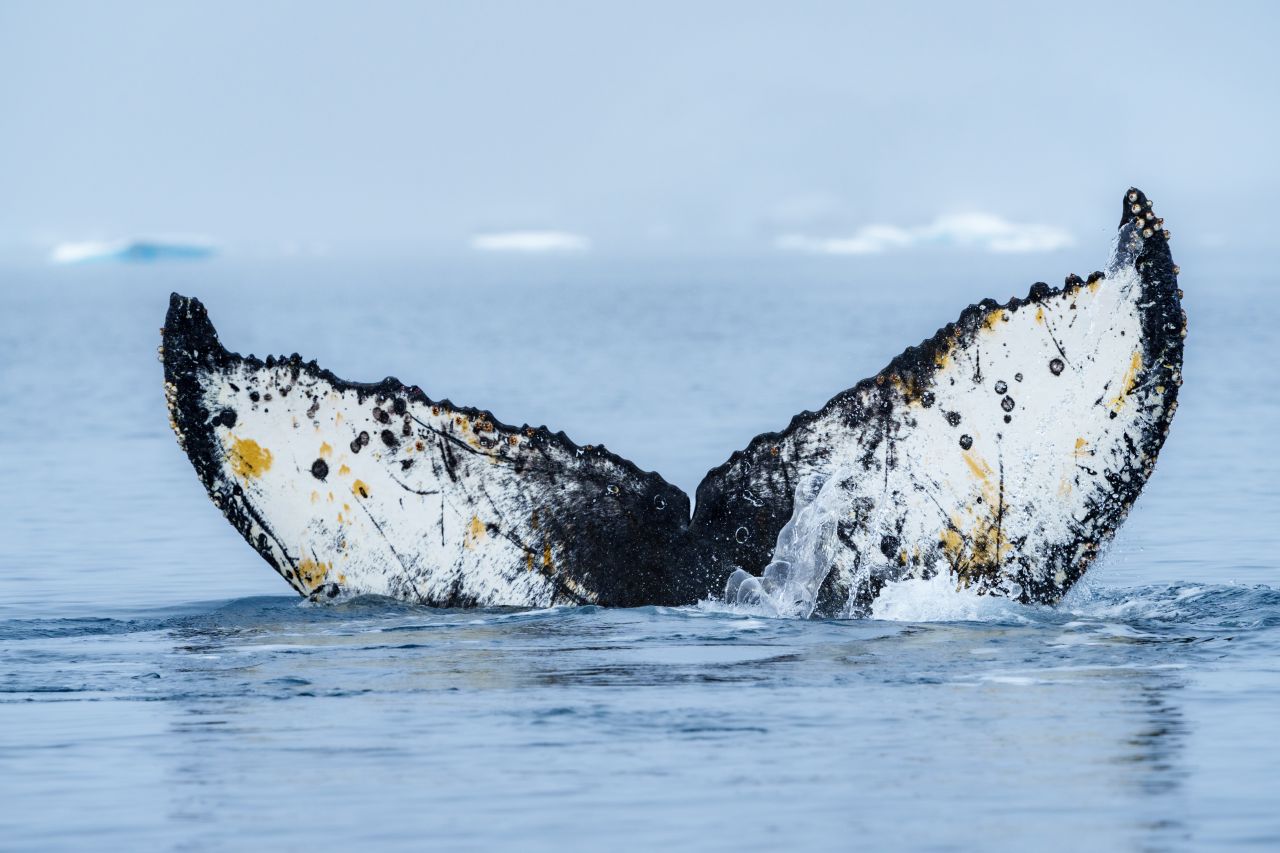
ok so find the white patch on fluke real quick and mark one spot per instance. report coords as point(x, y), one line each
point(384, 519)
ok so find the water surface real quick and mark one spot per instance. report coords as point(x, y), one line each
point(161, 689)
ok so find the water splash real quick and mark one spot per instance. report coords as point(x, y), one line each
point(805, 552)
point(808, 547)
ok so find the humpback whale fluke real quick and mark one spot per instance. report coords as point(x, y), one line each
point(1004, 451)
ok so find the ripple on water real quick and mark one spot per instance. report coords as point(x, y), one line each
point(582, 705)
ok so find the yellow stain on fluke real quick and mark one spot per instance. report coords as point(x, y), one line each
point(907, 386)
point(312, 573)
point(942, 357)
point(475, 532)
point(1129, 382)
point(359, 489)
point(978, 554)
point(977, 465)
point(248, 459)
point(325, 449)
point(952, 543)
point(973, 541)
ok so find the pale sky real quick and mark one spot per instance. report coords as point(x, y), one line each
point(648, 128)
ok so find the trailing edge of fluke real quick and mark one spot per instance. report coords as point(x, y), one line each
point(1003, 451)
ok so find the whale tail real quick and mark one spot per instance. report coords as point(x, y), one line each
point(1003, 451)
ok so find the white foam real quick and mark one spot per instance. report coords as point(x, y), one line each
point(941, 599)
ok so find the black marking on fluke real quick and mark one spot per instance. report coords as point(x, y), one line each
point(496, 514)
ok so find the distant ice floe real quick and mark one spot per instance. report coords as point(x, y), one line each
point(530, 241)
point(139, 250)
point(982, 231)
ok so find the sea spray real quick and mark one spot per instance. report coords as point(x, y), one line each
point(806, 549)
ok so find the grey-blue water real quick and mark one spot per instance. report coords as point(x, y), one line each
point(160, 688)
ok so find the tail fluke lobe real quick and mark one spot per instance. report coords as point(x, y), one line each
point(194, 363)
point(1003, 451)
point(375, 488)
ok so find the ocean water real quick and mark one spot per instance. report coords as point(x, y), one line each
point(161, 688)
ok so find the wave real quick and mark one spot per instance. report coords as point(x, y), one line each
point(1183, 606)
point(1206, 607)
point(274, 613)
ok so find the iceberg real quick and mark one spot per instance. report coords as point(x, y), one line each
point(137, 250)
